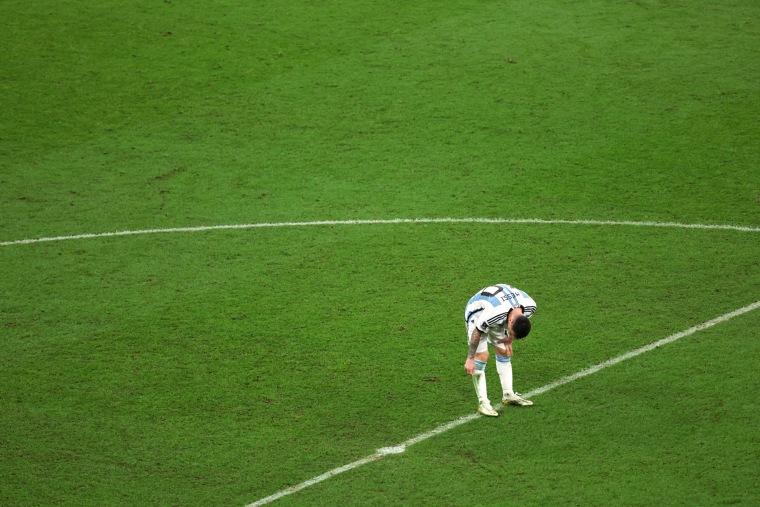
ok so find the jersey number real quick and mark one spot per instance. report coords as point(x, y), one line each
point(487, 292)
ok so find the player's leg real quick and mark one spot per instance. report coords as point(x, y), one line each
point(479, 377)
point(509, 396)
point(479, 381)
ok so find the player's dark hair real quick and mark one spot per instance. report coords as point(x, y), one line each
point(521, 326)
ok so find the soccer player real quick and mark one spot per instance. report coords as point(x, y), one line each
point(497, 315)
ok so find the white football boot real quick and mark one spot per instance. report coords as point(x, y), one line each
point(515, 399)
point(487, 409)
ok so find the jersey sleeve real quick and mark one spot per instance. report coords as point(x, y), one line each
point(483, 318)
point(492, 317)
point(529, 306)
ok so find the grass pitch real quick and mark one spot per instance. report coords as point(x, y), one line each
point(220, 367)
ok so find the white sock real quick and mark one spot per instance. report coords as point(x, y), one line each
point(504, 367)
point(479, 381)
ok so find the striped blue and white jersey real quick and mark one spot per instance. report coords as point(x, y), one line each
point(488, 309)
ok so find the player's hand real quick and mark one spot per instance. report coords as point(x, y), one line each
point(505, 347)
point(469, 365)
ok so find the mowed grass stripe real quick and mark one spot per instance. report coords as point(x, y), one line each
point(384, 451)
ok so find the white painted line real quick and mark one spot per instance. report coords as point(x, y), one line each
point(397, 449)
point(646, 348)
point(380, 222)
point(315, 480)
point(384, 451)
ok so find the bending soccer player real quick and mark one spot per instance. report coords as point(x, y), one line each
point(497, 315)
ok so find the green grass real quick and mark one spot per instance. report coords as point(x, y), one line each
point(629, 435)
point(219, 367)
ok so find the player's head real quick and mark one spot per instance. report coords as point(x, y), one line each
point(520, 327)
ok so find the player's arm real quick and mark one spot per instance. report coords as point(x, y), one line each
point(505, 344)
point(469, 364)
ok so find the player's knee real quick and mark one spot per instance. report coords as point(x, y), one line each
point(481, 356)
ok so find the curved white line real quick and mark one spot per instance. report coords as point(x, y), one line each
point(390, 221)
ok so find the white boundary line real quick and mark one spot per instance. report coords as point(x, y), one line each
point(384, 451)
point(390, 221)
